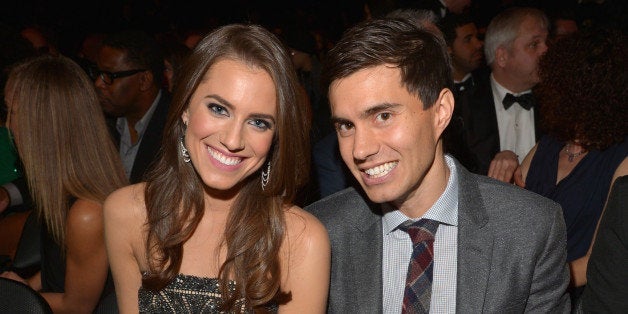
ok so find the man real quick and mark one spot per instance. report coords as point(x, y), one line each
point(128, 81)
point(464, 47)
point(465, 50)
point(496, 248)
point(503, 119)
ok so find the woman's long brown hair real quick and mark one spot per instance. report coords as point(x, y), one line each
point(256, 223)
point(61, 137)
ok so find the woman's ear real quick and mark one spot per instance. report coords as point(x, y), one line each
point(185, 117)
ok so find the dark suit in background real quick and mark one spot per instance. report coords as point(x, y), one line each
point(480, 121)
point(151, 141)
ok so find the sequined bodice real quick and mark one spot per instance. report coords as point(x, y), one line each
point(185, 294)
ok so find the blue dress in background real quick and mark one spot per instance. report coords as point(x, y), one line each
point(582, 193)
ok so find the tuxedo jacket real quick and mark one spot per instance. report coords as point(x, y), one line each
point(480, 123)
point(148, 151)
point(511, 250)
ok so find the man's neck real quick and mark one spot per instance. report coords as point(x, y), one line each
point(459, 75)
point(419, 201)
point(143, 104)
point(509, 83)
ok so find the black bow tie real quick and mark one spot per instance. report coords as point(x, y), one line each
point(526, 101)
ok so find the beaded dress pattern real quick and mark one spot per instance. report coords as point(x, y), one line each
point(188, 294)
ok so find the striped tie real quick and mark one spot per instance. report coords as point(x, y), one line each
point(418, 292)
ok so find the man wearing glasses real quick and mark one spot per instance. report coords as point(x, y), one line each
point(128, 81)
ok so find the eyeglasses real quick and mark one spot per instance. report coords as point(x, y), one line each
point(108, 77)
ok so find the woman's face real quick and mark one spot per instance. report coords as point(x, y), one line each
point(231, 121)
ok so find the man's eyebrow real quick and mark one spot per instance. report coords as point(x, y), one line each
point(378, 108)
point(367, 113)
point(337, 120)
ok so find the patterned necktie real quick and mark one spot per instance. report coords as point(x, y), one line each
point(418, 292)
point(526, 100)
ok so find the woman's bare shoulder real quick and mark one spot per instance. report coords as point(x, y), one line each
point(304, 231)
point(126, 205)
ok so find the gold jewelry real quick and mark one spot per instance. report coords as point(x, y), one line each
point(571, 156)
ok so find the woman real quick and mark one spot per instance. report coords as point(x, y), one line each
point(71, 165)
point(214, 228)
point(582, 98)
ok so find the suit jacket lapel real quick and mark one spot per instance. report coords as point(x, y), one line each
point(367, 247)
point(475, 246)
point(151, 141)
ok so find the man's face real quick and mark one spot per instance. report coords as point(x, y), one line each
point(466, 50)
point(119, 98)
point(386, 138)
point(522, 58)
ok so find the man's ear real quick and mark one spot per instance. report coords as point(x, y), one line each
point(146, 80)
point(501, 56)
point(443, 110)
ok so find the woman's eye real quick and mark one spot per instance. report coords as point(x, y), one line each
point(218, 109)
point(261, 124)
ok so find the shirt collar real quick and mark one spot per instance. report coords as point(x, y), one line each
point(140, 126)
point(464, 79)
point(500, 91)
point(444, 210)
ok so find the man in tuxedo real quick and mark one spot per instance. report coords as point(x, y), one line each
point(502, 125)
point(467, 60)
point(422, 233)
point(128, 81)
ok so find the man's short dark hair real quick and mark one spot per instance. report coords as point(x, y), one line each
point(142, 50)
point(450, 23)
point(420, 55)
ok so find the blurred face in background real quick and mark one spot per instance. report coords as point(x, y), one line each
point(466, 50)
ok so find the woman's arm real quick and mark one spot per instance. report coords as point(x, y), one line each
point(123, 230)
point(522, 172)
point(308, 263)
point(86, 260)
point(578, 267)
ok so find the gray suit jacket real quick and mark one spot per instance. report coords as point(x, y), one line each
point(511, 250)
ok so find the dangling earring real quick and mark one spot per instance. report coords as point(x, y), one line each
point(265, 176)
point(184, 151)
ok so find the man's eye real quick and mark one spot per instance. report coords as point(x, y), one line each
point(344, 128)
point(383, 116)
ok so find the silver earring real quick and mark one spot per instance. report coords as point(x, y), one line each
point(184, 151)
point(265, 176)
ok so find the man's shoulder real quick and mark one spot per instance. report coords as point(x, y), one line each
point(347, 202)
point(508, 202)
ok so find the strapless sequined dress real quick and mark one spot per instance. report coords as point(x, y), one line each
point(187, 294)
